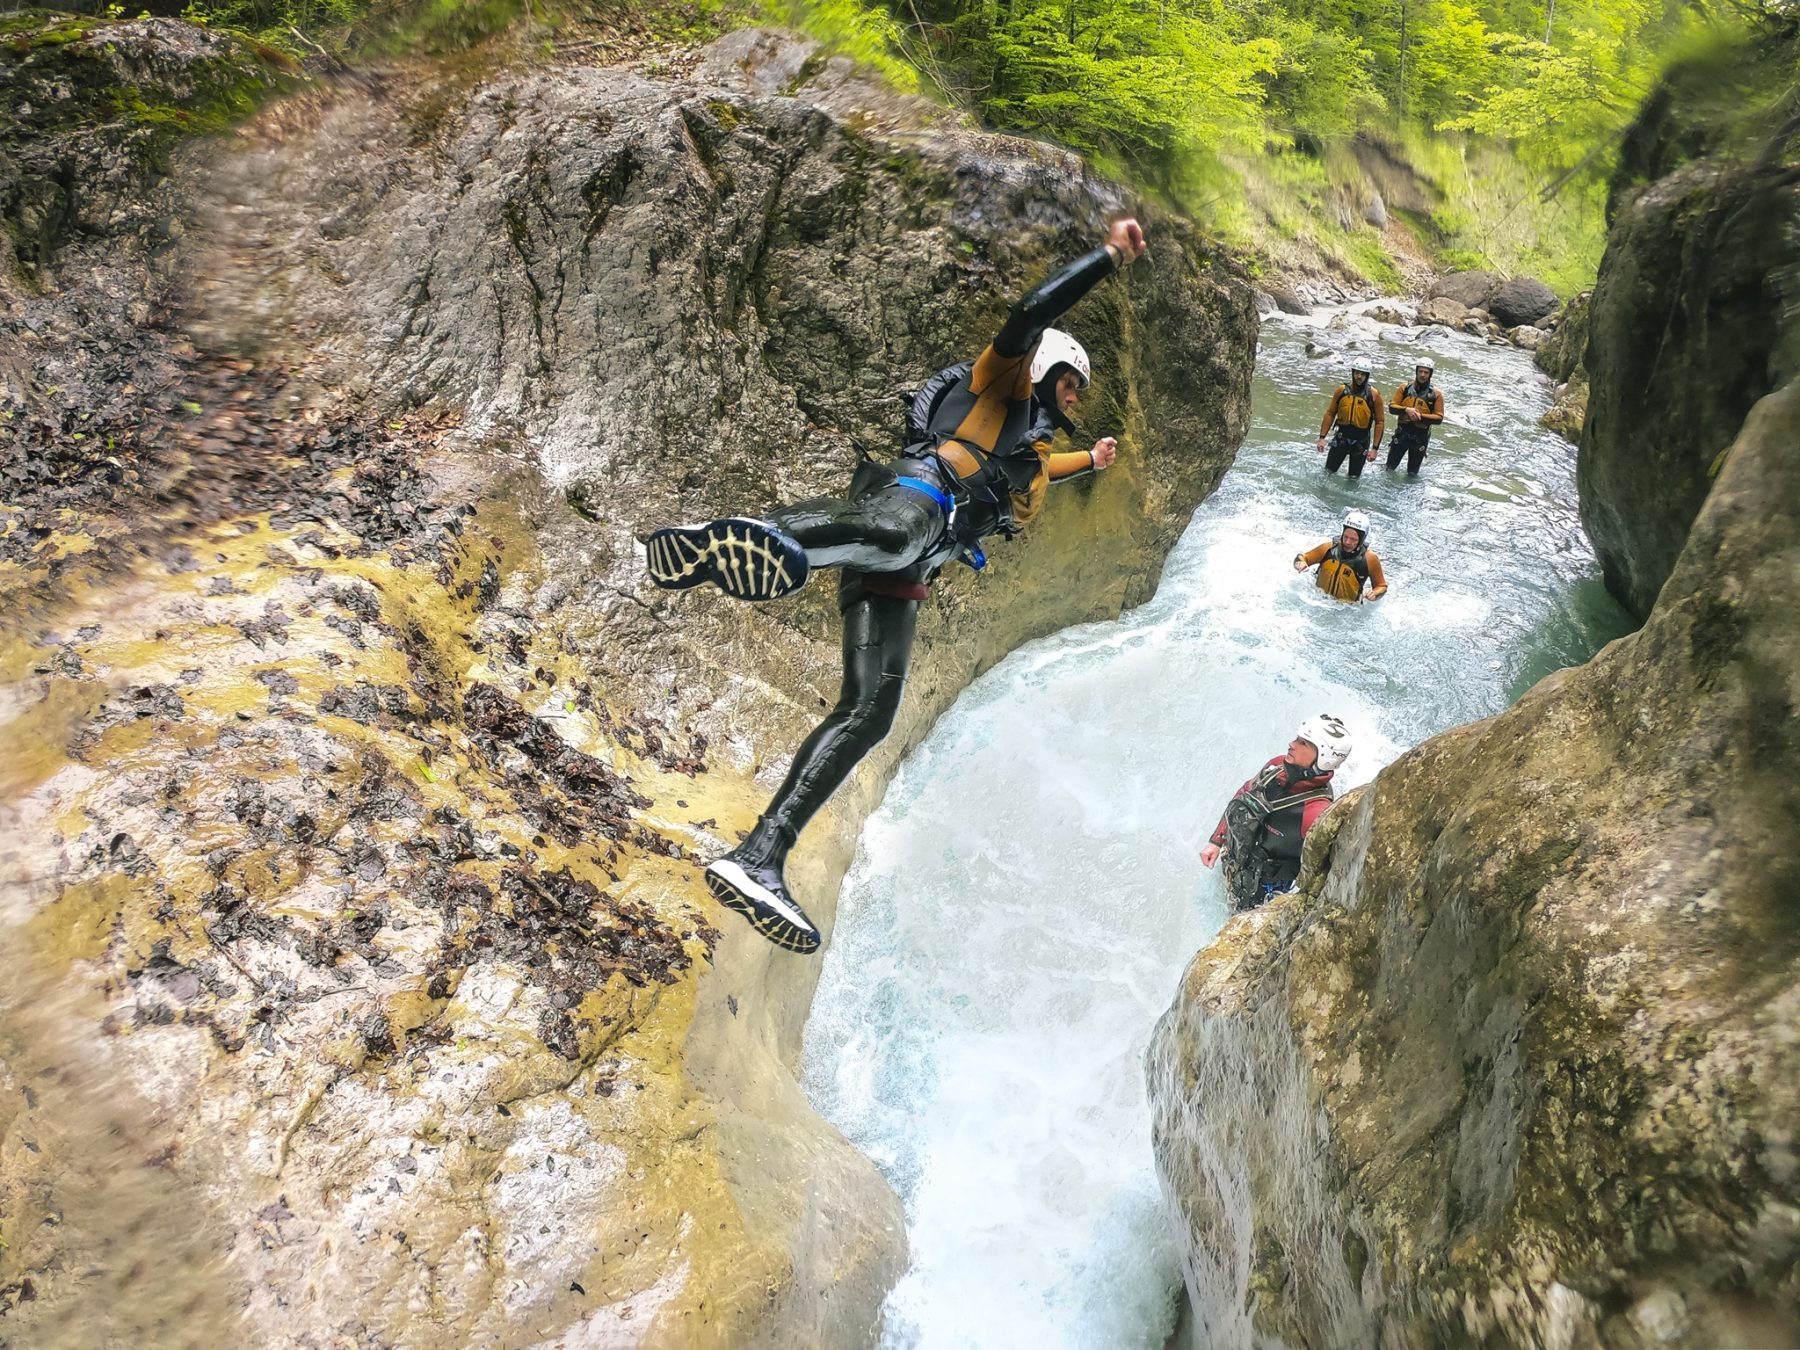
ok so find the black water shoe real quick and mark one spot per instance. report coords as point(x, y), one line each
point(759, 893)
point(747, 559)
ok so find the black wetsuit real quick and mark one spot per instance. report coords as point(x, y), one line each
point(891, 539)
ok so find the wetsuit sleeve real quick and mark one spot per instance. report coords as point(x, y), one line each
point(1436, 415)
point(1377, 578)
point(1380, 422)
point(1330, 412)
point(1314, 556)
point(1394, 405)
point(1066, 464)
point(1051, 300)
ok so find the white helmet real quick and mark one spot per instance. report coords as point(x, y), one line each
point(1360, 367)
point(1425, 363)
point(1358, 521)
point(1057, 347)
point(1327, 735)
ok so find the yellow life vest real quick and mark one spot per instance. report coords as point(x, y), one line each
point(1339, 576)
point(1356, 407)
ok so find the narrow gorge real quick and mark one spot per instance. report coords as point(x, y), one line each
point(357, 984)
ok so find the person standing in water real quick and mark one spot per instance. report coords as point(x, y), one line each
point(1267, 820)
point(981, 469)
point(1418, 407)
point(1348, 571)
point(1356, 411)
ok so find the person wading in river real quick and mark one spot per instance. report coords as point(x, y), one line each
point(1346, 565)
point(1356, 410)
point(1267, 820)
point(981, 468)
point(1419, 407)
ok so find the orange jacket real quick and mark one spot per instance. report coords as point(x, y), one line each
point(1431, 408)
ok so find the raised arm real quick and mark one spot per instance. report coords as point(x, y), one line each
point(1053, 298)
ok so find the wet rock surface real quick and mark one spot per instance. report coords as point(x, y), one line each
point(90, 110)
point(363, 987)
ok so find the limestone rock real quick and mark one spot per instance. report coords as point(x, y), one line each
point(1564, 352)
point(1288, 301)
point(1472, 289)
point(1442, 309)
point(1568, 411)
point(1522, 300)
point(1528, 336)
point(1386, 314)
point(1375, 211)
point(1689, 326)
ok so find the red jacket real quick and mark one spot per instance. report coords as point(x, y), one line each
point(1310, 813)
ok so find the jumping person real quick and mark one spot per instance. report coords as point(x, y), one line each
point(1355, 409)
point(1268, 818)
point(980, 468)
point(1419, 407)
point(1346, 566)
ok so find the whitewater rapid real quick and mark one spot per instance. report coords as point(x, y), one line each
point(1023, 903)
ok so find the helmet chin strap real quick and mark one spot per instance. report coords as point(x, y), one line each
point(1045, 395)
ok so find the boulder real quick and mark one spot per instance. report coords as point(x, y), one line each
point(1522, 300)
point(1568, 411)
point(1527, 336)
point(1442, 309)
point(1287, 301)
point(1386, 314)
point(1375, 211)
point(1562, 355)
point(1472, 288)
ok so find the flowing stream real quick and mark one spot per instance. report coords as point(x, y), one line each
point(1023, 903)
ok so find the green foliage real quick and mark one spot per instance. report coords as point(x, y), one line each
point(1200, 99)
point(865, 33)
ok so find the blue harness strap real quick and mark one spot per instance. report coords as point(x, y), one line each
point(972, 555)
point(931, 490)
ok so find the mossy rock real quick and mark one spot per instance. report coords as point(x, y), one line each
point(90, 109)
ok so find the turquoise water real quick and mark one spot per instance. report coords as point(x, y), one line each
point(994, 976)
